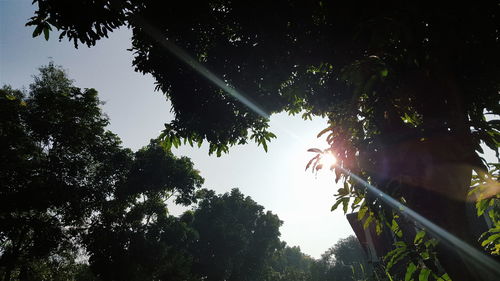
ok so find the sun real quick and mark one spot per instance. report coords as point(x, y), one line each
point(328, 160)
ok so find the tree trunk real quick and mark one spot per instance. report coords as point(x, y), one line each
point(435, 164)
point(446, 207)
point(436, 177)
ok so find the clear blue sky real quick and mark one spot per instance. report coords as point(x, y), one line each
point(276, 179)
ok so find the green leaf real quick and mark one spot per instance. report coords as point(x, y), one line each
point(336, 205)
point(362, 212)
point(424, 274)
point(378, 227)
point(491, 239)
point(212, 148)
point(384, 72)
point(357, 200)
point(444, 277)
point(395, 228)
point(46, 33)
point(410, 269)
point(346, 204)
point(323, 131)
point(367, 221)
point(37, 31)
point(343, 191)
point(264, 144)
point(418, 237)
point(395, 256)
point(167, 143)
point(400, 244)
point(431, 243)
point(481, 207)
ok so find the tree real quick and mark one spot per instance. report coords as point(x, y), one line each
point(53, 146)
point(132, 236)
point(236, 237)
point(66, 180)
point(289, 263)
point(344, 261)
point(348, 260)
point(406, 86)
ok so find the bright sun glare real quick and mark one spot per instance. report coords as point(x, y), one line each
point(328, 160)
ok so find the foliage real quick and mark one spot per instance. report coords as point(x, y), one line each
point(66, 181)
point(289, 263)
point(349, 61)
point(132, 236)
point(53, 144)
point(405, 86)
point(420, 258)
point(344, 261)
point(486, 190)
point(236, 237)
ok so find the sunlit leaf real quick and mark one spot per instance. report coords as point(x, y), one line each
point(378, 227)
point(419, 236)
point(424, 274)
point(445, 277)
point(410, 269)
point(367, 221)
point(362, 212)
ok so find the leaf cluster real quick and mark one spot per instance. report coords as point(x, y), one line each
point(485, 188)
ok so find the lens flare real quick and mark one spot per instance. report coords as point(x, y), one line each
point(475, 256)
point(328, 160)
point(198, 67)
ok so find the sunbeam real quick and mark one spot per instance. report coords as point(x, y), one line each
point(198, 67)
point(476, 256)
point(438, 232)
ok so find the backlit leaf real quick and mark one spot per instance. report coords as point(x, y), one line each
point(424, 274)
point(410, 269)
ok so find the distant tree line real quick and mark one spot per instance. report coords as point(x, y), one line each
point(76, 205)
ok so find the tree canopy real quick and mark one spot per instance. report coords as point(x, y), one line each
point(344, 261)
point(365, 65)
point(236, 237)
point(66, 179)
point(406, 86)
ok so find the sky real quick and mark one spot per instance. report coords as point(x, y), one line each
point(275, 180)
